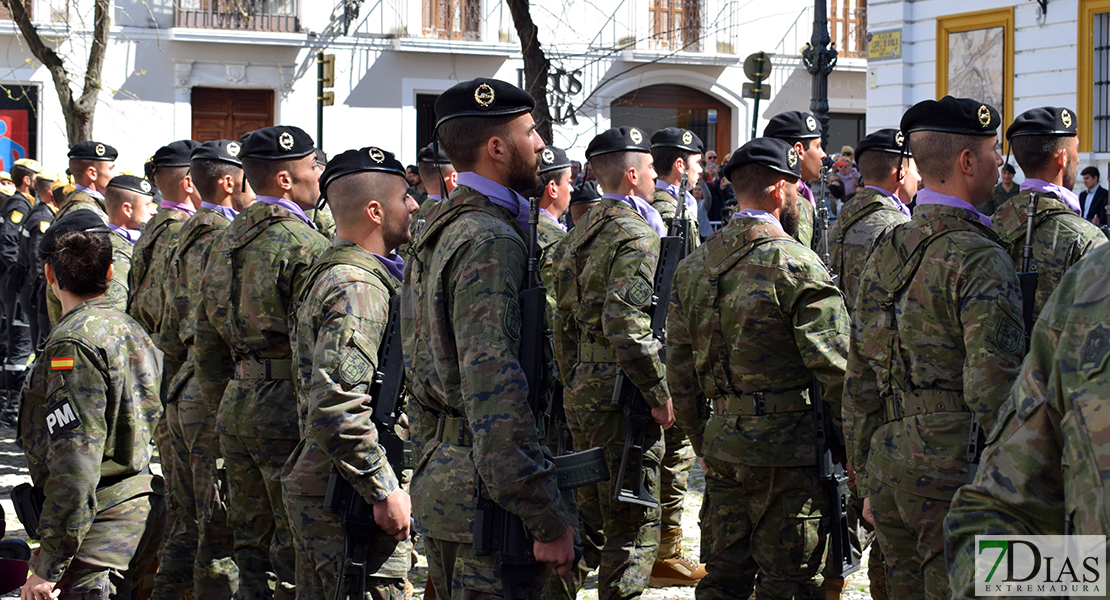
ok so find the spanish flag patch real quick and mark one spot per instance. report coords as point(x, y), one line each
point(61, 364)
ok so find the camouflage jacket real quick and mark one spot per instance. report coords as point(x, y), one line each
point(667, 205)
point(149, 264)
point(88, 413)
point(549, 234)
point(254, 274)
point(1060, 238)
point(807, 216)
point(121, 255)
point(936, 337)
point(1047, 457)
point(323, 220)
point(754, 311)
point(861, 220)
point(461, 329)
point(604, 273)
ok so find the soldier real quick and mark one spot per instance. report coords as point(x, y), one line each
point(439, 177)
point(802, 131)
point(461, 329)
point(677, 152)
point(17, 334)
point(754, 295)
point(217, 175)
point(1046, 146)
point(254, 272)
point(32, 295)
point(936, 342)
point(85, 426)
point(585, 196)
point(1040, 473)
point(604, 272)
point(340, 328)
point(129, 201)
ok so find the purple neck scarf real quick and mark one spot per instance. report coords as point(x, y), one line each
point(228, 212)
point(1043, 187)
point(392, 263)
point(927, 196)
point(691, 203)
point(757, 215)
point(92, 193)
point(131, 235)
point(902, 207)
point(645, 210)
point(499, 195)
point(803, 189)
point(170, 205)
point(544, 212)
point(435, 197)
point(288, 205)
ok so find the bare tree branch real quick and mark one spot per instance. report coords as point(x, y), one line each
point(536, 64)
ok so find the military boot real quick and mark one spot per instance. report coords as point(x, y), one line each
point(672, 566)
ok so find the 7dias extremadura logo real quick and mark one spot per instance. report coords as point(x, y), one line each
point(1039, 565)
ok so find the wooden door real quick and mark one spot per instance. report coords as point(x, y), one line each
point(223, 114)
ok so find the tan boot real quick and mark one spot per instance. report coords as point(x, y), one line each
point(672, 567)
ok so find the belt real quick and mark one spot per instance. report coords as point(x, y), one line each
point(762, 403)
point(901, 405)
point(454, 431)
point(107, 482)
point(595, 353)
point(267, 368)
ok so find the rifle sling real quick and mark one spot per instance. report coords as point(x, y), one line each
point(454, 431)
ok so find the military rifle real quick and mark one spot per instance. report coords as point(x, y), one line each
point(821, 205)
point(1028, 275)
point(637, 413)
point(357, 515)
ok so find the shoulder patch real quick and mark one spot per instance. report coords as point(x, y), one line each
point(513, 320)
point(60, 418)
point(17, 217)
point(1008, 338)
point(61, 363)
point(1093, 352)
point(639, 293)
point(354, 368)
point(43, 226)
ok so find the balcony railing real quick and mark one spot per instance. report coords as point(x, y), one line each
point(453, 19)
point(249, 15)
point(676, 25)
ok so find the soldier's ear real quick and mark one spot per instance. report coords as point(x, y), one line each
point(111, 271)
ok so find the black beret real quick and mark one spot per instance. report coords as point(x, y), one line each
point(75, 220)
point(1046, 120)
point(793, 125)
point(586, 192)
point(371, 159)
point(92, 151)
point(961, 116)
point(773, 153)
point(623, 139)
point(482, 97)
point(433, 154)
point(283, 142)
point(884, 140)
point(676, 137)
point(553, 159)
point(132, 184)
point(174, 154)
point(219, 150)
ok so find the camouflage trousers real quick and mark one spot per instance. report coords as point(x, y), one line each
point(910, 529)
point(678, 460)
point(174, 574)
point(116, 551)
point(458, 574)
point(618, 538)
point(762, 529)
point(263, 548)
point(319, 540)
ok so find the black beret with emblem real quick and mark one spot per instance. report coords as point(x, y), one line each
point(219, 150)
point(482, 97)
point(432, 154)
point(553, 159)
point(370, 159)
point(132, 184)
point(76, 220)
point(888, 140)
point(676, 137)
point(586, 192)
point(90, 150)
point(961, 116)
point(1046, 120)
point(618, 139)
point(283, 142)
point(174, 154)
point(792, 125)
point(773, 153)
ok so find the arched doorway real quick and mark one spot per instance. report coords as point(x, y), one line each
point(657, 106)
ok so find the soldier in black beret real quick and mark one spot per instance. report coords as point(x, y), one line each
point(216, 168)
point(914, 402)
point(585, 196)
point(130, 203)
point(461, 290)
point(677, 152)
point(553, 194)
point(801, 130)
point(92, 164)
point(437, 173)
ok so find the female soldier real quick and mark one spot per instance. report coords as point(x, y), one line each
point(86, 419)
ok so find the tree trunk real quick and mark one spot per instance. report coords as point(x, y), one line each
point(536, 64)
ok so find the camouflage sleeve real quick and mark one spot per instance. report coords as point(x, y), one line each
point(563, 325)
point(121, 269)
point(862, 408)
point(681, 369)
point(76, 428)
point(485, 314)
point(174, 309)
point(344, 358)
point(209, 304)
point(820, 331)
point(626, 322)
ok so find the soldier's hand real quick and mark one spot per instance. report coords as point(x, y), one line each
point(38, 588)
point(664, 415)
point(558, 553)
point(867, 516)
point(394, 514)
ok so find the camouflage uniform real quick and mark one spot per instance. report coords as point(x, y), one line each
point(340, 323)
point(197, 484)
point(323, 220)
point(117, 287)
point(86, 421)
point(1044, 461)
point(1060, 238)
point(861, 221)
point(468, 399)
point(807, 216)
point(548, 234)
point(604, 270)
point(254, 272)
point(752, 296)
point(945, 291)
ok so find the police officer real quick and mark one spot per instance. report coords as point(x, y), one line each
point(936, 342)
point(18, 329)
point(85, 426)
point(1046, 146)
point(801, 130)
point(32, 295)
point(461, 327)
point(604, 272)
point(254, 271)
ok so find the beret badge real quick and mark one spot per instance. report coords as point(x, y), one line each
point(791, 158)
point(145, 185)
point(687, 138)
point(899, 139)
point(286, 140)
point(811, 123)
point(548, 156)
point(635, 135)
point(984, 115)
point(233, 149)
point(100, 150)
point(484, 95)
point(376, 155)
point(1065, 118)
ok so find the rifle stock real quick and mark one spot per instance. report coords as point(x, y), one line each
point(833, 474)
point(1028, 277)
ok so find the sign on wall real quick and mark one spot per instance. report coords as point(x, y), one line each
point(18, 124)
point(884, 45)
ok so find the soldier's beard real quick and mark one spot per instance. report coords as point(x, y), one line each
point(524, 170)
point(789, 215)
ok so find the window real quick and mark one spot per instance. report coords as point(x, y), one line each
point(848, 27)
point(975, 59)
point(255, 15)
point(676, 25)
point(452, 19)
point(1093, 89)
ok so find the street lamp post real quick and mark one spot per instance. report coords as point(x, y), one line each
point(820, 59)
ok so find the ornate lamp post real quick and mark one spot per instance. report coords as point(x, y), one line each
point(819, 59)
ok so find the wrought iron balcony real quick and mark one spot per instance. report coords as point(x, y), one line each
point(247, 15)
